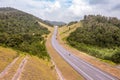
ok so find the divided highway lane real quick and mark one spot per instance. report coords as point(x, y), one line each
point(88, 71)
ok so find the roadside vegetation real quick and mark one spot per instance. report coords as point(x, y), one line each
point(38, 69)
point(21, 31)
point(6, 57)
point(99, 36)
point(65, 30)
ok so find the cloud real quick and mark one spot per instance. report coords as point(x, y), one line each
point(79, 7)
point(116, 7)
point(65, 10)
point(96, 2)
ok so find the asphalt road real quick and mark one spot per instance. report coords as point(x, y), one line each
point(88, 71)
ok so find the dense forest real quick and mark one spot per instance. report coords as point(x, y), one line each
point(21, 31)
point(98, 36)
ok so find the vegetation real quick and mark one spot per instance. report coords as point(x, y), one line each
point(71, 23)
point(22, 31)
point(11, 72)
point(6, 57)
point(38, 69)
point(99, 36)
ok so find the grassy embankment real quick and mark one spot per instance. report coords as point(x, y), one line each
point(38, 69)
point(35, 68)
point(65, 30)
point(6, 56)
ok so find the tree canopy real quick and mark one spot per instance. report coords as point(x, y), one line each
point(21, 31)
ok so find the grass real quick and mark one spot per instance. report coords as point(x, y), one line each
point(7, 55)
point(66, 30)
point(104, 54)
point(38, 69)
point(46, 26)
point(35, 68)
point(14, 68)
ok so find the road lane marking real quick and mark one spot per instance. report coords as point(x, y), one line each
point(94, 68)
point(72, 64)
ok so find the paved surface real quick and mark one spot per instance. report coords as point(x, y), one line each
point(88, 71)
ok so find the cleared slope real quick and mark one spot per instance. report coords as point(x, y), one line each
point(65, 31)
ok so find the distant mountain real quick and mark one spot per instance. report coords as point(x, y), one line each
point(55, 23)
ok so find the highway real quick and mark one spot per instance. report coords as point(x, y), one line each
point(85, 69)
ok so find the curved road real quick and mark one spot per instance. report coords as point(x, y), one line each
point(88, 71)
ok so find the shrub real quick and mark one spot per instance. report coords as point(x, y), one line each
point(116, 57)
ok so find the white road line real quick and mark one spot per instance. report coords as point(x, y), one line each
point(72, 64)
point(95, 68)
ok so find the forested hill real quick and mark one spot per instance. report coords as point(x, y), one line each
point(99, 36)
point(21, 31)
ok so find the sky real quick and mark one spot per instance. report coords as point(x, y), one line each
point(65, 10)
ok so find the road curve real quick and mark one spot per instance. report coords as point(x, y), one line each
point(88, 71)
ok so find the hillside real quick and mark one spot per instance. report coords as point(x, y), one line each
point(99, 36)
point(22, 31)
point(65, 30)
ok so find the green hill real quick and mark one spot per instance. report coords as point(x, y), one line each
point(99, 36)
point(22, 31)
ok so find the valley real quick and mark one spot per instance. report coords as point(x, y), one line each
point(36, 49)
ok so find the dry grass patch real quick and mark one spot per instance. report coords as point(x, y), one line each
point(38, 69)
point(49, 27)
point(7, 55)
point(66, 30)
point(13, 69)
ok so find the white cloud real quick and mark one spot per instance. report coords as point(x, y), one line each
point(64, 10)
point(79, 7)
